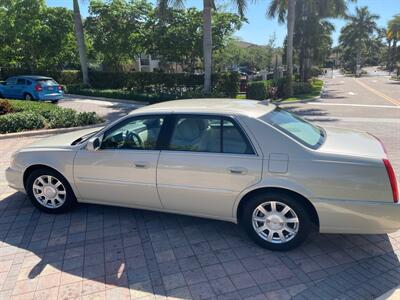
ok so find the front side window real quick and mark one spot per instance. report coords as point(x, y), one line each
point(11, 81)
point(299, 129)
point(208, 134)
point(134, 134)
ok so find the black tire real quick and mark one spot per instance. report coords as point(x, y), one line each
point(54, 101)
point(28, 97)
point(1, 96)
point(304, 220)
point(69, 198)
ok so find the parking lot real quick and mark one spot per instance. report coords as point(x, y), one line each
point(98, 252)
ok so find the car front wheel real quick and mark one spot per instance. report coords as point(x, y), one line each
point(276, 221)
point(50, 191)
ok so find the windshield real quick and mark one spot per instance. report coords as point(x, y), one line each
point(306, 133)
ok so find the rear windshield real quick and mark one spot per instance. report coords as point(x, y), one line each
point(306, 133)
point(46, 82)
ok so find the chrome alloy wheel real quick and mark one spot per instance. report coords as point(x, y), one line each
point(275, 222)
point(49, 191)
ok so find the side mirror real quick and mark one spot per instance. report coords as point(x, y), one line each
point(93, 144)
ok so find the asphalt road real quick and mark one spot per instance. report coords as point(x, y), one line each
point(370, 103)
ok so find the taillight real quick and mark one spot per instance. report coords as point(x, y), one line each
point(38, 88)
point(392, 179)
point(60, 87)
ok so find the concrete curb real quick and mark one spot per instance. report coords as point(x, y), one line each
point(46, 131)
point(133, 102)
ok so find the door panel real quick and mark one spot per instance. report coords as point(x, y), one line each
point(205, 183)
point(121, 177)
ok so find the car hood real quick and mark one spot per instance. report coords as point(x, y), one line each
point(62, 140)
point(351, 142)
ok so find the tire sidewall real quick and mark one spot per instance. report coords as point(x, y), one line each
point(295, 204)
point(70, 200)
point(30, 97)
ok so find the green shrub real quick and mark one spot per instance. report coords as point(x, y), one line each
point(258, 90)
point(228, 84)
point(68, 77)
point(301, 88)
point(20, 121)
point(29, 115)
point(5, 107)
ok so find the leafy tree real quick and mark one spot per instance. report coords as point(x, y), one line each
point(355, 36)
point(34, 36)
point(116, 29)
point(208, 6)
point(177, 37)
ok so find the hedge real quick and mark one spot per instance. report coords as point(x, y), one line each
point(258, 90)
point(140, 82)
point(29, 115)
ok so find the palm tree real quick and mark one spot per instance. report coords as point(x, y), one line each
point(286, 10)
point(310, 15)
point(358, 31)
point(208, 6)
point(393, 36)
point(80, 39)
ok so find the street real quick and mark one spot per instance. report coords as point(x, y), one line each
point(98, 252)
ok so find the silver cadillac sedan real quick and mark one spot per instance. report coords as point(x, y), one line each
point(242, 161)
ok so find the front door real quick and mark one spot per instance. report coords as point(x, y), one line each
point(123, 170)
point(8, 90)
point(208, 162)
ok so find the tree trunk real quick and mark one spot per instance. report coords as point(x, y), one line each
point(80, 39)
point(207, 45)
point(289, 51)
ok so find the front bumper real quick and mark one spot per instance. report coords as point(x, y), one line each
point(358, 217)
point(14, 179)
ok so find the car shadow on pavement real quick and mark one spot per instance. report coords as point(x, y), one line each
point(123, 253)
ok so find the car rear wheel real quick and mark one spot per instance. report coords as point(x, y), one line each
point(50, 191)
point(276, 221)
point(54, 101)
point(28, 97)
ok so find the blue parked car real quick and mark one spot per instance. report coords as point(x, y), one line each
point(32, 88)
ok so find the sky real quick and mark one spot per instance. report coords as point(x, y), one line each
point(259, 29)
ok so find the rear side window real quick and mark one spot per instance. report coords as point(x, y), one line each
point(208, 134)
point(21, 81)
point(28, 82)
point(298, 128)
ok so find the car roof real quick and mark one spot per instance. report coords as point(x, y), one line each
point(251, 108)
point(32, 77)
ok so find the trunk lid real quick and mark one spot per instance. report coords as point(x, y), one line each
point(351, 142)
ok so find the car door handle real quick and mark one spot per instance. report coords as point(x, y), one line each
point(141, 165)
point(237, 170)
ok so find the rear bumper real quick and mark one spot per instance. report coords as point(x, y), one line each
point(14, 179)
point(358, 217)
point(49, 97)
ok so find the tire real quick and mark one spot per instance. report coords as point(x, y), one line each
point(58, 196)
point(54, 101)
point(28, 97)
point(294, 233)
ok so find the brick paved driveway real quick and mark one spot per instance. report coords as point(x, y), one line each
point(98, 252)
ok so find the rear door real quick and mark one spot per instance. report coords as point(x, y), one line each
point(207, 162)
point(19, 88)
